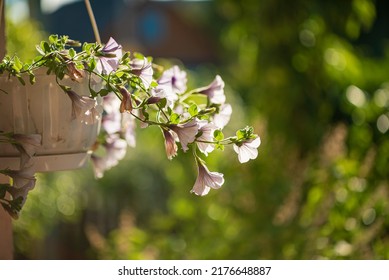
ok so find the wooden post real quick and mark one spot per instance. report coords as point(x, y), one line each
point(2, 29)
point(6, 240)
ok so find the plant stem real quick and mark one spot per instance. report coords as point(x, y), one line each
point(93, 21)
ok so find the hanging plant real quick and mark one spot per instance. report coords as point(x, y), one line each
point(104, 85)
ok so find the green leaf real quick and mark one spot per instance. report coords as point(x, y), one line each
point(40, 50)
point(119, 74)
point(45, 47)
point(53, 39)
point(174, 118)
point(79, 65)
point(72, 52)
point(125, 56)
point(218, 134)
point(17, 66)
point(193, 110)
point(162, 103)
point(37, 58)
point(93, 92)
point(92, 64)
point(240, 134)
point(87, 48)
point(220, 147)
point(145, 113)
point(60, 75)
point(245, 133)
point(103, 92)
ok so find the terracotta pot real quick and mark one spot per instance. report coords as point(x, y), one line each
point(43, 108)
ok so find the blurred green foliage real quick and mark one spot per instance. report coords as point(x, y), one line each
point(312, 77)
point(22, 37)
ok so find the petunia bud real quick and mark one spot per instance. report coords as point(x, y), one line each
point(170, 144)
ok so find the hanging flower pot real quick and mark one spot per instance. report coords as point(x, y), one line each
point(50, 114)
point(44, 109)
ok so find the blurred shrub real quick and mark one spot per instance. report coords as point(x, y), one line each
point(22, 37)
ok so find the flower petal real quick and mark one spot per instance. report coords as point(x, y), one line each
point(222, 119)
point(245, 153)
point(143, 68)
point(186, 133)
point(254, 143)
point(215, 91)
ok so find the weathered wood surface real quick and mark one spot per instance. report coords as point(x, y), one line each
point(6, 240)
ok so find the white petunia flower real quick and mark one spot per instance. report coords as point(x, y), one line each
point(186, 133)
point(248, 149)
point(171, 83)
point(109, 63)
point(115, 150)
point(99, 165)
point(143, 69)
point(84, 108)
point(214, 91)
point(206, 180)
point(128, 129)
point(27, 145)
point(111, 119)
point(23, 181)
point(207, 129)
point(223, 117)
point(173, 80)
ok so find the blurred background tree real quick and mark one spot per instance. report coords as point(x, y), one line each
point(312, 78)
